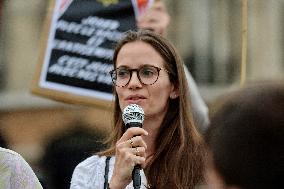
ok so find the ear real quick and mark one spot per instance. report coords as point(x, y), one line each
point(174, 92)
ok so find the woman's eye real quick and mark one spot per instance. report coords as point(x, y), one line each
point(147, 72)
point(122, 73)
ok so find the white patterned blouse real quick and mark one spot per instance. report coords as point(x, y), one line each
point(89, 174)
point(15, 172)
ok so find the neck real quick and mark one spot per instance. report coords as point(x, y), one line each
point(151, 125)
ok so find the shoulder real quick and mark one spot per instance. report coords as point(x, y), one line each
point(7, 159)
point(93, 162)
point(11, 159)
point(89, 173)
point(15, 171)
point(8, 153)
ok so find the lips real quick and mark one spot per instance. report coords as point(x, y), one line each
point(135, 98)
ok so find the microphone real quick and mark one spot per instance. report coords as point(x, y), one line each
point(133, 116)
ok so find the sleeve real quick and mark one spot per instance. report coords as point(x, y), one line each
point(89, 173)
point(18, 172)
point(199, 108)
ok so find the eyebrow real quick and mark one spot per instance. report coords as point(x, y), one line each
point(143, 65)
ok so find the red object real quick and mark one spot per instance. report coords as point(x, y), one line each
point(142, 3)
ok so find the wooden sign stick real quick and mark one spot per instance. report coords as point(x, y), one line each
point(244, 41)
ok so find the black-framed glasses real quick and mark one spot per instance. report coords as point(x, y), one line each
point(147, 75)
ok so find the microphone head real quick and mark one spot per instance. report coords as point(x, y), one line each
point(133, 114)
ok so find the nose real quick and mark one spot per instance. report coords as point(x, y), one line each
point(134, 82)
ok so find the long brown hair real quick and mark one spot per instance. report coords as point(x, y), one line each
point(177, 161)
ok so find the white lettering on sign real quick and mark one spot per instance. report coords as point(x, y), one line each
point(101, 23)
point(82, 49)
point(73, 27)
point(82, 68)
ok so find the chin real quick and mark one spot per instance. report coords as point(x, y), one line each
point(138, 102)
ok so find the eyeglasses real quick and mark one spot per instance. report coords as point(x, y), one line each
point(147, 75)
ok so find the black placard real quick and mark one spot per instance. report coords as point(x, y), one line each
point(81, 38)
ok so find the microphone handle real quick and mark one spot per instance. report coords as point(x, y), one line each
point(134, 124)
point(136, 177)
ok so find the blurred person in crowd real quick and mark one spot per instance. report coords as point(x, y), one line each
point(66, 150)
point(157, 19)
point(3, 142)
point(148, 72)
point(15, 172)
point(245, 140)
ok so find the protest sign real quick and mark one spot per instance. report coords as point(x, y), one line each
point(77, 47)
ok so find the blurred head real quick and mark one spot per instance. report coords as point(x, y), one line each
point(246, 140)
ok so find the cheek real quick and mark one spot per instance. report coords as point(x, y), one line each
point(119, 92)
point(160, 96)
point(119, 96)
point(162, 91)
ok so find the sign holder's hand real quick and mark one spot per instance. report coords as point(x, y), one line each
point(156, 18)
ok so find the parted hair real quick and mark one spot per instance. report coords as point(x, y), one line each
point(178, 158)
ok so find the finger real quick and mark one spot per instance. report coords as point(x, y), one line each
point(132, 156)
point(153, 27)
point(138, 160)
point(138, 141)
point(158, 17)
point(131, 132)
point(125, 144)
point(156, 7)
point(159, 5)
point(138, 151)
point(155, 22)
point(158, 10)
point(130, 142)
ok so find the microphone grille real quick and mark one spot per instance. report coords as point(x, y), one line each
point(133, 114)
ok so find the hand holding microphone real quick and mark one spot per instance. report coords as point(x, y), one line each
point(133, 116)
point(130, 149)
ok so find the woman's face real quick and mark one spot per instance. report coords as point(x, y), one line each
point(152, 98)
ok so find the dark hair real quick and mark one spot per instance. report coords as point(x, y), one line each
point(65, 150)
point(246, 138)
point(177, 162)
